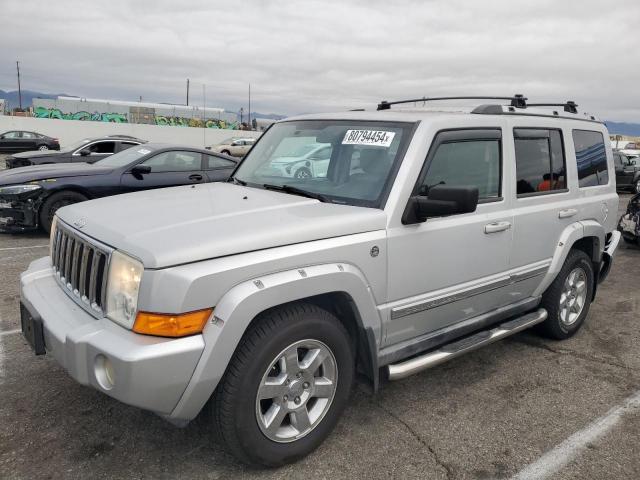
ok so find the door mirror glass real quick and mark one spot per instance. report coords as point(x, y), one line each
point(85, 152)
point(441, 201)
point(141, 169)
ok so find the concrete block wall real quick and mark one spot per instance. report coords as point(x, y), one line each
point(70, 131)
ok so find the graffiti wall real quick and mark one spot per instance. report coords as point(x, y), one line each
point(174, 121)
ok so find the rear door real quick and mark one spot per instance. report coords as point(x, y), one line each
point(217, 169)
point(171, 168)
point(543, 203)
point(29, 141)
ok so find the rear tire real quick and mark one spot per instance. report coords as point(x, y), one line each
point(285, 387)
point(568, 298)
point(43, 148)
point(54, 202)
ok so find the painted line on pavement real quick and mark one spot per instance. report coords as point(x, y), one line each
point(10, 332)
point(549, 464)
point(23, 248)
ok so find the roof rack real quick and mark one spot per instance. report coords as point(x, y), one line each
point(517, 101)
point(569, 106)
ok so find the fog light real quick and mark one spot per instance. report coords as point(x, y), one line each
point(105, 375)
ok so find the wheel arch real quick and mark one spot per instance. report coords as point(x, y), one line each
point(588, 236)
point(338, 287)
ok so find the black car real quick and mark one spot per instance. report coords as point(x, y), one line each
point(30, 196)
point(627, 173)
point(89, 150)
point(629, 225)
point(22, 141)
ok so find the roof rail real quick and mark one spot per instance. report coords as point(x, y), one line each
point(569, 106)
point(517, 101)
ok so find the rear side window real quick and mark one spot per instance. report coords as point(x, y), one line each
point(591, 156)
point(466, 163)
point(212, 162)
point(540, 162)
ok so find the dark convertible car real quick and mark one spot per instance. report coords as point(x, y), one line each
point(30, 196)
point(89, 150)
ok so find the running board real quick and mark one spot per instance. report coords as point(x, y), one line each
point(467, 344)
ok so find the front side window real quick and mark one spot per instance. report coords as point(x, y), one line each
point(177, 161)
point(468, 162)
point(11, 135)
point(123, 158)
point(591, 156)
point(361, 159)
point(540, 163)
point(102, 147)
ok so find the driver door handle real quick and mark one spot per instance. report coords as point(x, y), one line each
point(196, 177)
point(569, 212)
point(496, 227)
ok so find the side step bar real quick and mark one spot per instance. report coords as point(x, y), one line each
point(468, 344)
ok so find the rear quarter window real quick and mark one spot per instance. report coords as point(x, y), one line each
point(591, 157)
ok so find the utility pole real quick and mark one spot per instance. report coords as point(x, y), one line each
point(187, 92)
point(204, 115)
point(249, 113)
point(19, 88)
point(241, 115)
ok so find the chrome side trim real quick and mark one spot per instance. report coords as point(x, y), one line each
point(466, 345)
point(438, 301)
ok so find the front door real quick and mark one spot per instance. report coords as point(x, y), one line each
point(176, 167)
point(449, 269)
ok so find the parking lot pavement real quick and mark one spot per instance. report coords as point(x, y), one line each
point(489, 414)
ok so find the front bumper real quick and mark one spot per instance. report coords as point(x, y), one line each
point(149, 372)
point(607, 257)
point(17, 216)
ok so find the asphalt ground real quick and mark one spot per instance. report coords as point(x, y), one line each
point(561, 410)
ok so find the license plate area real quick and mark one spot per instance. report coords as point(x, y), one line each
point(32, 330)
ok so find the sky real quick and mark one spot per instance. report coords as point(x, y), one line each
point(317, 56)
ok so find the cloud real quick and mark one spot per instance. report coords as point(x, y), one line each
point(327, 55)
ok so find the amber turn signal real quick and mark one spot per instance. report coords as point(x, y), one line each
point(167, 325)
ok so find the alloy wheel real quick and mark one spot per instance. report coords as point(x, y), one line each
point(296, 391)
point(573, 297)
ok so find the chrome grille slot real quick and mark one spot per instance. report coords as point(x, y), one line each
point(80, 265)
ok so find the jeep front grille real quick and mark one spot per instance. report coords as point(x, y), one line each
point(81, 267)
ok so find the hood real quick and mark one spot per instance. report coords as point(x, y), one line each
point(45, 172)
point(37, 153)
point(177, 225)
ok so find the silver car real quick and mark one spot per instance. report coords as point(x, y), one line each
point(235, 147)
point(258, 299)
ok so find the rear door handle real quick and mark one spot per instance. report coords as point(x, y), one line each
point(497, 227)
point(569, 212)
point(196, 177)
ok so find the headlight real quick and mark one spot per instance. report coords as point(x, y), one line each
point(123, 284)
point(52, 234)
point(18, 189)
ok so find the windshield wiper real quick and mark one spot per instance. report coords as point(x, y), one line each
point(237, 181)
point(295, 191)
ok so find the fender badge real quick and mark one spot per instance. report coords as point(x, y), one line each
point(81, 222)
point(375, 251)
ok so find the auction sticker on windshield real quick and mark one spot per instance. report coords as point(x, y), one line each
point(376, 138)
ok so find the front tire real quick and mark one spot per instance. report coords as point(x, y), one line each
point(302, 173)
point(568, 298)
point(226, 152)
point(636, 187)
point(286, 385)
point(53, 203)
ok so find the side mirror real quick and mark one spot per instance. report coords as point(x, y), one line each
point(140, 170)
point(441, 201)
point(85, 153)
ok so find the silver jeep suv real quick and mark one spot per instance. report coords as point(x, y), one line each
point(431, 234)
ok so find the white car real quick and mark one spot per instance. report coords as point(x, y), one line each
point(236, 147)
point(311, 160)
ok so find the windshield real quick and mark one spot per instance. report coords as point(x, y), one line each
point(76, 145)
point(124, 158)
point(360, 170)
